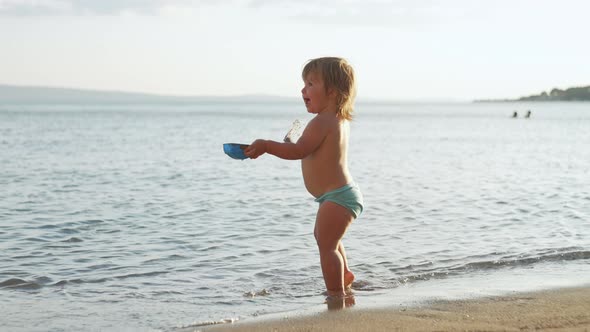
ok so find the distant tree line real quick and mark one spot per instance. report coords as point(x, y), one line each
point(571, 94)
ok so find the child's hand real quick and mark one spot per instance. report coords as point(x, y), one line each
point(256, 149)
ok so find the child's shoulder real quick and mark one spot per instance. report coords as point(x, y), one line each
point(323, 122)
point(328, 119)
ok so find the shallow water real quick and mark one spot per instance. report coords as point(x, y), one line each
point(131, 217)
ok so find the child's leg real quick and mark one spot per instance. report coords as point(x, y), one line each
point(331, 223)
point(348, 275)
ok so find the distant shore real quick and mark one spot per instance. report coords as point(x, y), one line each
point(570, 94)
point(556, 310)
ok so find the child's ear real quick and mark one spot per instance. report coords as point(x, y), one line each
point(332, 92)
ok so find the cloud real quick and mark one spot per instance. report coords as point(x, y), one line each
point(93, 7)
point(31, 7)
point(368, 12)
point(338, 12)
point(321, 10)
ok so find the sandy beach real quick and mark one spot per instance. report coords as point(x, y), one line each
point(554, 310)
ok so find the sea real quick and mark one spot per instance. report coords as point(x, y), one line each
point(131, 217)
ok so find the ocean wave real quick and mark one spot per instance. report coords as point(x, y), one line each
point(19, 284)
point(453, 267)
point(41, 282)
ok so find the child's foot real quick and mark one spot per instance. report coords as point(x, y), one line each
point(335, 302)
point(348, 279)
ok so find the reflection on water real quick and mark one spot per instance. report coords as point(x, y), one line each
point(340, 302)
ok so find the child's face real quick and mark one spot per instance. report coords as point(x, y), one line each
point(314, 93)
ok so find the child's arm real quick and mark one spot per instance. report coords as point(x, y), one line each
point(313, 135)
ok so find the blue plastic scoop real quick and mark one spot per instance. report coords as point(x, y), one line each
point(235, 150)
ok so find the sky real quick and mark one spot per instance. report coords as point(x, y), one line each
point(400, 49)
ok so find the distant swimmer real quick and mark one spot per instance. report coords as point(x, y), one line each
point(515, 114)
point(528, 114)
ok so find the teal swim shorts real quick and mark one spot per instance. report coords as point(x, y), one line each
point(349, 196)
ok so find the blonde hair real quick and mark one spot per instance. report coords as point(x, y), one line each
point(337, 74)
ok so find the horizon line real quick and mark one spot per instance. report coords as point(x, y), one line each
point(232, 96)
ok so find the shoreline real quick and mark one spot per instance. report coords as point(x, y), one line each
point(562, 309)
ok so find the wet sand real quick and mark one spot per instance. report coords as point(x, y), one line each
point(554, 310)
